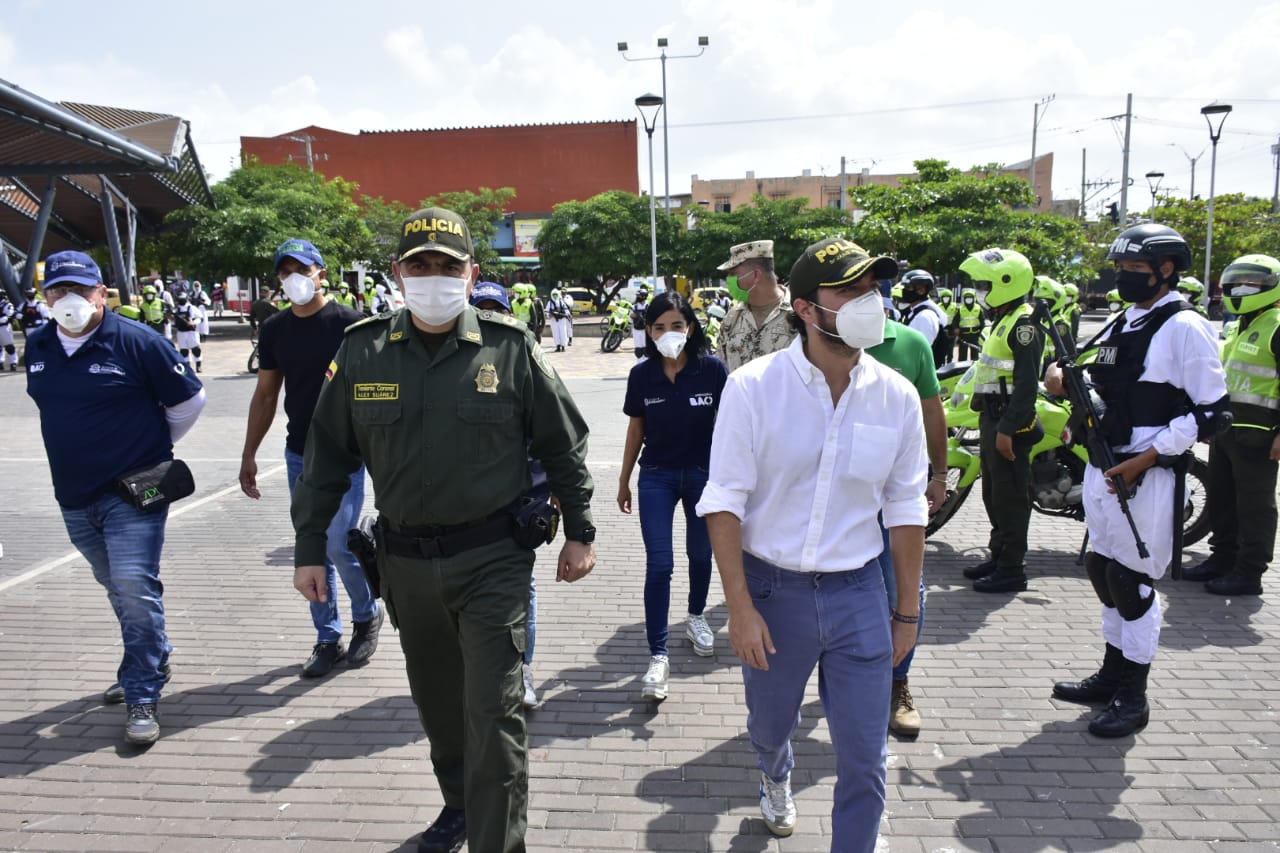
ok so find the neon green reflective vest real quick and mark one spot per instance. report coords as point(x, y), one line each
point(996, 360)
point(153, 311)
point(345, 299)
point(522, 308)
point(1251, 372)
point(970, 318)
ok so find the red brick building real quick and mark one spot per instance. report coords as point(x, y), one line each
point(545, 163)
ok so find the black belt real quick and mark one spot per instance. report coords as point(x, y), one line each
point(447, 540)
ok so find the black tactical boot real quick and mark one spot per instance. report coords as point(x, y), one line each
point(1100, 686)
point(1215, 566)
point(1128, 711)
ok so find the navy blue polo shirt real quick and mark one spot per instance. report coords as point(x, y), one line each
point(102, 407)
point(678, 417)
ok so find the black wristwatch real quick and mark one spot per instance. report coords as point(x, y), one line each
point(587, 536)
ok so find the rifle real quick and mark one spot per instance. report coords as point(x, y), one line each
point(1100, 452)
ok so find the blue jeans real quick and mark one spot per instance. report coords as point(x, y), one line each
point(891, 586)
point(660, 490)
point(838, 622)
point(123, 545)
point(339, 559)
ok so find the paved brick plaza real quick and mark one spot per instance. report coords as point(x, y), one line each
point(255, 759)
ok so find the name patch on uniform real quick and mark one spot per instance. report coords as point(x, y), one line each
point(376, 391)
point(487, 379)
point(1106, 355)
point(1251, 349)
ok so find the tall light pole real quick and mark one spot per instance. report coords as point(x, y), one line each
point(1210, 112)
point(703, 41)
point(654, 103)
point(1153, 181)
point(1192, 160)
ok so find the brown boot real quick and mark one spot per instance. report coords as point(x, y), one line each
point(904, 719)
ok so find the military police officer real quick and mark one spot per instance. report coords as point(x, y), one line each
point(438, 401)
point(969, 323)
point(1005, 384)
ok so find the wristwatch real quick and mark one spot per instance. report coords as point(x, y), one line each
point(587, 536)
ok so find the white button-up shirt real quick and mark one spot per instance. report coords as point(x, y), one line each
point(807, 478)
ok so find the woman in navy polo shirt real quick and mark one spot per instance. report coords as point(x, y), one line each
point(672, 399)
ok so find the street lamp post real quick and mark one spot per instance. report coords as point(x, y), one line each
point(1153, 181)
point(703, 41)
point(654, 103)
point(1209, 112)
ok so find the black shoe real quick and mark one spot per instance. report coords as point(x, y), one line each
point(364, 639)
point(1099, 687)
point(1000, 582)
point(981, 570)
point(1214, 567)
point(322, 659)
point(199, 367)
point(1235, 583)
point(1128, 711)
point(114, 694)
point(142, 725)
point(446, 833)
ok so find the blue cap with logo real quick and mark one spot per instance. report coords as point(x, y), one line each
point(301, 251)
point(487, 290)
point(70, 267)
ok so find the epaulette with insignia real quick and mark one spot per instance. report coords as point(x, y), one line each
point(501, 319)
point(368, 321)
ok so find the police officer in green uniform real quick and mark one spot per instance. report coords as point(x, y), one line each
point(154, 311)
point(1055, 296)
point(1073, 309)
point(1005, 384)
point(1193, 291)
point(438, 400)
point(952, 312)
point(1243, 459)
point(969, 325)
point(344, 296)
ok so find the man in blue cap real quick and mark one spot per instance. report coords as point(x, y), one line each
point(92, 367)
point(295, 347)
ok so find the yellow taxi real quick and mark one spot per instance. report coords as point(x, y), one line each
point(584, 301)
point(705, 297)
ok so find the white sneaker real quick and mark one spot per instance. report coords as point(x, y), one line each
point(700, 634)
point(654, 683)
point(530, 699)
point(776, 805)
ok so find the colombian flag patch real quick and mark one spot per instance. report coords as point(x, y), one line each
point(331, 372)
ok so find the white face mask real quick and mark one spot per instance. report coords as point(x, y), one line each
point(860, 321)
point(300, 288)
point(435, 299)
point(1115, 306)
point(672, 344)
point(73, 312)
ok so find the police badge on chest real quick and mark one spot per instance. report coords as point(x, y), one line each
point(487, 379)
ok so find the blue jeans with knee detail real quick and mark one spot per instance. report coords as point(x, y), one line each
point(339, 559)
point(891, 587)
point(838, 622)
point(660, 489)
point(122, 545)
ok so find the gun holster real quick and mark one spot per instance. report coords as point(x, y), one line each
point(362, 541)
point(536, 522)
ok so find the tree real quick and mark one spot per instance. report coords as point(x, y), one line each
point(385, 220)
point(481, 210)
point(790, 223)
point(1242, 225)
point(260, 206)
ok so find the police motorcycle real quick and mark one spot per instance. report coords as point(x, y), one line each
point(1057, 462)
point(619, 325)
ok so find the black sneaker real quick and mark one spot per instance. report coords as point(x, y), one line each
point(446, 833)
point(322, 659)
point(142, 726)
point(364, 639)
point(114, 694)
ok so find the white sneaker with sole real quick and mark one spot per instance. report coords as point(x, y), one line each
point(776, 806)
point(530, 699)
point(654, 683)
point(700, 634)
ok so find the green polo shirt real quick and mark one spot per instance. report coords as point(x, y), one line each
point(908, 352)
point(443, 434)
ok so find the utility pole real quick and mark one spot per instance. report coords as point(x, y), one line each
point(844, 184)
point(1083, 180)
point(306, 139)
point(1124, 172)
point(1035, 125)
point(1275, 194)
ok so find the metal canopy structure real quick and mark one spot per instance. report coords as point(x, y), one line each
point(72, 174)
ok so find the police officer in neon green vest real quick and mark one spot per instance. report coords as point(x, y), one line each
point(1005, 383)
point(969, 323)
point(344, 296)
point(1193, 291)
point(1243, 459)
point(1073, 309)
point(153, 308)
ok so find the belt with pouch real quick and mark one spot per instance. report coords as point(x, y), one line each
point(445, 540)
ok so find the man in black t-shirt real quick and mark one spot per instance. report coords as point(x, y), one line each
point(295, 349)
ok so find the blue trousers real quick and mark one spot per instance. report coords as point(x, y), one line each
point(123, 545)
point(660, 489)
point(339, 559)
point(838, 622)
point(891, 586)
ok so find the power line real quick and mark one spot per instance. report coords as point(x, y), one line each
point(858, 114)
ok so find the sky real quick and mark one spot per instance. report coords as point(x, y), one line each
point(782, 86)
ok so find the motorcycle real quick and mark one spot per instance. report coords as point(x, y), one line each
point(619, 326)
point(1057, 468)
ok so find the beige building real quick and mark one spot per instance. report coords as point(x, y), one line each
point(726, 194)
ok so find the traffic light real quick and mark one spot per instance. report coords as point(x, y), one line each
point(1113, 213)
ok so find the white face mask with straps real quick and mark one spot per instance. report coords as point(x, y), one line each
point(860, 321)
point(435, 299)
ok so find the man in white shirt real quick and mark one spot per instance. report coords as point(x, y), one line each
point(810, 444)
point(924, 315)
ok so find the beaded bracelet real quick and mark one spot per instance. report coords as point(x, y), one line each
point(906, 620)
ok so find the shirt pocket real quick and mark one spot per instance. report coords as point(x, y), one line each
point(872, 451)
point(491, 431)
point(375, 414)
